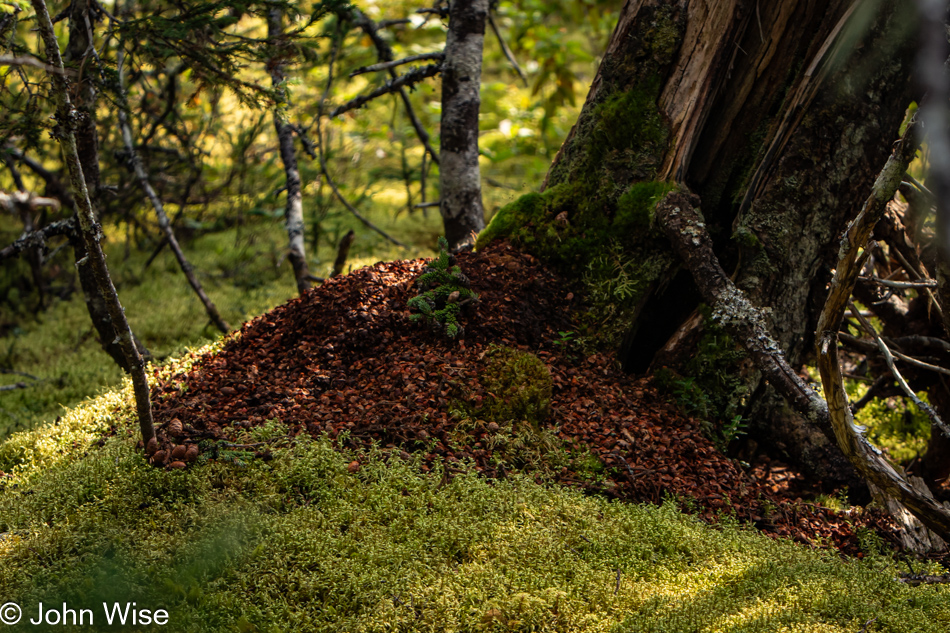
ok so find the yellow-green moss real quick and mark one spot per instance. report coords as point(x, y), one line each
point(519, 385)
point(300, 543)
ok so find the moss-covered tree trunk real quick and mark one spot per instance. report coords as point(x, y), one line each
point(778, 116)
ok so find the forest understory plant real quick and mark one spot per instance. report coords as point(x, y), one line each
point(444, 291)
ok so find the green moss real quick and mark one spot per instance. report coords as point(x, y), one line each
point(599, 204)
point(710, 386)
point(519, 385)
point(635, 207)
point(744, 236)
point(301, 543)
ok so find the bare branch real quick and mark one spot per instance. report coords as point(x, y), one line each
point(37, 239)
point(13, 202)
point(889, 359)
point(399, 62)
point(409, 79)
point(135, 162)
point(923, 283)
point(442, 12)
point(507, 51)
point(385, 53)
point(342, 198)
point(867, 459)
point(27, 60)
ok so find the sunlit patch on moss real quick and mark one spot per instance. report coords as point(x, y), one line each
point(302, 542)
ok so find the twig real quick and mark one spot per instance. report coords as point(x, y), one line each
point(27, 60)
point(341, 198)
point(923, 283)
point(889, 359)
point(919, 363)
point(135, 162)
point(507, 51)
point(919, 185)
point(12, 202)
point(16, 385)
point(408, 79)
point(920, 276)
point(398, 62)
point(385, 24)
point(442, 12)
point(37, 239)
point(342, 251)
point(425, 205)
point(916, 579)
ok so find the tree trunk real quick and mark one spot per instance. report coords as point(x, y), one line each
point(459, 179)
point(778, 115)
point(293, 214)
point(77, 52)
point(89, 227)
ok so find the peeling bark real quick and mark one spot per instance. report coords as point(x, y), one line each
point(293, 213)
point(459, 179)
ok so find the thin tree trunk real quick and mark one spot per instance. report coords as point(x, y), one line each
point(83, 99)
point(89, 227)
point(459, 179)
point(163, 221)
point(294, 210)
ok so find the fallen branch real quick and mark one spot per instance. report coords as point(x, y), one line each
point(889, 360)
point(408, 79)
point(853, 253)
point(917, 579)
point(14, 386)
point(688, 236)
point(732, 309)
point(924, 283)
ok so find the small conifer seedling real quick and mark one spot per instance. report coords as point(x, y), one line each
point(444, 290)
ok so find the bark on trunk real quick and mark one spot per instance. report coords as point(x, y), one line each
point(89, 228)
point(293, 213)
point(83, 99)
point(459, 179)
point(777, 115)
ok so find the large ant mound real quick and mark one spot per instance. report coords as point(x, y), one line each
point(512, 393)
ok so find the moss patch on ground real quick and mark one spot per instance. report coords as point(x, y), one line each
point(307, 542)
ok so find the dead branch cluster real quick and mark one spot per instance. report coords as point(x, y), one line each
point(893, 282)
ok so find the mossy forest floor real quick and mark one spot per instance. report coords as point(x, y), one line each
point(356, 471)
